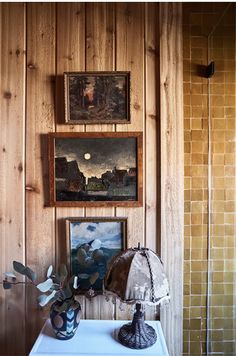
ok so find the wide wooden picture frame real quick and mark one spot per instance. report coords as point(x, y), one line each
point(97, 97)
point(91, 245)
point(96, 169)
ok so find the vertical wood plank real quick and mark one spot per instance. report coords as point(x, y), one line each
point(40, 219)
point(70, 58)
point(152, 120)
point(100, 44)
point(12, 173)
point(70, 54)
point(152, 164)
point(130, 57)
point(171, 106)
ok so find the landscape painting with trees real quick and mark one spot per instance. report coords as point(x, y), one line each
point(97, 97)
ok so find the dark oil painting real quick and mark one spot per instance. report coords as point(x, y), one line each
point(98, 97)
point(96, 169)
point(92, 244)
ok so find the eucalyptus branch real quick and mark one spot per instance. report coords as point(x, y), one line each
point(57, 286)
point(14, 283)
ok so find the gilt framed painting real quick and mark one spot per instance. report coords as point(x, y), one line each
point(97, 97)
point(91, 245)
point(96, 169)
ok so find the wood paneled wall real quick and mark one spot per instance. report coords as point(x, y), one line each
point(39, 41)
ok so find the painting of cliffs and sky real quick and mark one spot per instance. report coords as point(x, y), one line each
point(96, 168)
point(93, 243)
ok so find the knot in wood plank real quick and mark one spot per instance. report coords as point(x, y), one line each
point(7, 95)
point(152, 117)
point(166, 83)
point(32, 189)
point(152, 50)
point(17, 52)
point(31, 66)
point(137, 106)
point(20, 167)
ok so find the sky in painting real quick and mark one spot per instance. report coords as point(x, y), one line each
point(109, 233)
point(105, 153)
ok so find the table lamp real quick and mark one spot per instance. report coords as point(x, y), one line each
point(136, 276)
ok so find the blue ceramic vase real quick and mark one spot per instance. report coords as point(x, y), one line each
point(65, 323)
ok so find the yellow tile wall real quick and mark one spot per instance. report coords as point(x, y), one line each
point(198, 21)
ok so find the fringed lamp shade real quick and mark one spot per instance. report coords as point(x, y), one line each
point(137, 276)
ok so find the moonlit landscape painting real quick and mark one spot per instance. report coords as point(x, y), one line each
point(93, 243)
point(96, 168)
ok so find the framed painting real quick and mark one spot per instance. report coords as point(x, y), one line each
point(96, 169)
point(91, 245)
point(97, 97)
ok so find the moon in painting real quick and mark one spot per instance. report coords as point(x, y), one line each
point(87, 156)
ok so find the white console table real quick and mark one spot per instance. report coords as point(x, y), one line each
point(93, 338)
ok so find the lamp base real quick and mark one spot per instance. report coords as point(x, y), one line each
point(138, 334)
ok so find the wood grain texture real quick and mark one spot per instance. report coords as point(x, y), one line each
point(100, 44)
point(171, 105)
point(130, 56)
point(12, 173)
point(152, 159)
point(151, 123)
point(70, 57)
point(40, 222)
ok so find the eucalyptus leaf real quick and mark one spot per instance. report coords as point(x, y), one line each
point(45, 286)
point(19, 267)
point(67, 292)
point(10, 275)
point(30, 274)
point(6, 284)
point(93, 277)
point(56, 278)
point(26, 271)
point(55, 287)
point(62, 273)
point(75, 284)
point(83, 275)
point(49, 271)
point(43, 299)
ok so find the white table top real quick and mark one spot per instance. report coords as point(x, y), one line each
point(93, 338)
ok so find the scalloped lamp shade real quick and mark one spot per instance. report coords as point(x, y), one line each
point(136, 275)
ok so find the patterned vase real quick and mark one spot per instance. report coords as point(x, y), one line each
point(65, 323)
